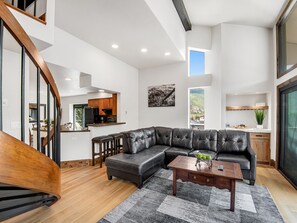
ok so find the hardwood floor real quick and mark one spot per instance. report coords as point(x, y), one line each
point(87, 196)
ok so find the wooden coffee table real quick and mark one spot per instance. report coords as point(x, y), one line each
point(184, 168)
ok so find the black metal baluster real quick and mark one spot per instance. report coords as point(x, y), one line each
point(54, 147)
point(58, 155)
point(12, 2)
point(1, 61)
point(25, 5)
point(23, 82)
point(48, 120)
point(38, 109)
point(34, 8)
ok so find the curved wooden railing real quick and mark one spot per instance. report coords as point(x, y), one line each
point(28, 178)
point(25, 167)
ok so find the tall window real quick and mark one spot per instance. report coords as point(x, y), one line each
point(287, 41)
point(196, 97)
point(196, 63)
point(79, 116)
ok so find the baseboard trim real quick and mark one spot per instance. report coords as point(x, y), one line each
point(272, 163)
point(76, 163)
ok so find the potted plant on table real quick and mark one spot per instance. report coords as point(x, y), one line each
point(260, 115)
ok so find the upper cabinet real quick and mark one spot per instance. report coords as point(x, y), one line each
point(104, 103)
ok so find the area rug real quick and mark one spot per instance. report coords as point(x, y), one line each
point(193, 203)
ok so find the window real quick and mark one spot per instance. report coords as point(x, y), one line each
point(196, 63)
point(287, 41)
point(196, 98)
point(79, 116)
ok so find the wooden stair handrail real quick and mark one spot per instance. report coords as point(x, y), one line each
point(44, 141)
point(23, 39)
point(25, 167)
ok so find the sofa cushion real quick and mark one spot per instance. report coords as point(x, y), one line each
point(174, 151)
point(208, 152)
point(163, 136)
point(230, 141)
point(235, 158)
point(205, 140)
point(150, 137)
point(138, 163)
point(134, 141)
point(182, 138)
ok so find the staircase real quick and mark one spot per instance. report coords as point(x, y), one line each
point(29, 177)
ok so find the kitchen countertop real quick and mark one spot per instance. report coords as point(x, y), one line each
point(255, 130)
point(106, 124)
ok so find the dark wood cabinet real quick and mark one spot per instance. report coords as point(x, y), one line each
point(260, 143)
point(104, 103)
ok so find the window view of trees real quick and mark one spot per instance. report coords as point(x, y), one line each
point(197, 108)
point(79, 116)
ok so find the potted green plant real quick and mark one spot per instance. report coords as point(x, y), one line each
point(260, 115)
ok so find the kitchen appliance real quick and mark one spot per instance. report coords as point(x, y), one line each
point(91, 115)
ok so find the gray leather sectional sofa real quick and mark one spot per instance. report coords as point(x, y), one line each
point(149, 149)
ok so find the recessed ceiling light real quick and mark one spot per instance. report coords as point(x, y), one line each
point(67, 79)
point(144, 50)
point(101, 91)
point(115, 46)
point(167, 54)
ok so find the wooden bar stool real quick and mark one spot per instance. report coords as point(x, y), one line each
point(117, 142)
point(105, 148)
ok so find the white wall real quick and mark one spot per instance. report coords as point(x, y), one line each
point(178, 74)
point(12, 94)
point(240, 61)
point(167, 15)
point(107, 73)
point(41, 34)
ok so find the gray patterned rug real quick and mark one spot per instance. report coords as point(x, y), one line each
point(193, 203)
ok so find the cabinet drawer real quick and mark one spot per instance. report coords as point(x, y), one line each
point(259, 135)
point(223, 183)
point(204, 180)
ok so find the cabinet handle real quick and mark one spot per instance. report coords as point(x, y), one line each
point(259, 135)
point(207, 180)
point(194, 177)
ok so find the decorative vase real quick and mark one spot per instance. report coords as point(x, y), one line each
point(259, 126)
point(200, 162)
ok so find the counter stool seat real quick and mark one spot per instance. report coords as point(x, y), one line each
point(117, 142)
point(105, 148)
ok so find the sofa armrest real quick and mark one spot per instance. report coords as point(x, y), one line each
point(252, 156)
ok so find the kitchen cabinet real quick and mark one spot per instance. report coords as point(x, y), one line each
point(104, 103)
point(260, 143)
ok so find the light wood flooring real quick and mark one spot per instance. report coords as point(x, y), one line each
point(87, 196)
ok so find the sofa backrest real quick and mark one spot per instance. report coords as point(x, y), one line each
point(150, 137)
point(134, 141)
point(182, 138)
point(163, 136)
point(205, 140)
point(230, 141)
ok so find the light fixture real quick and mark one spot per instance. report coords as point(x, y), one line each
point(167, 54)
point(115, 46)
point(67, 79)
point(143, 50)
point(101, 91)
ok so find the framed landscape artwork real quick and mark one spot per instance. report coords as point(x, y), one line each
point(161, 96)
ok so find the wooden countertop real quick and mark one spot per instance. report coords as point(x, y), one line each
point(106, 124)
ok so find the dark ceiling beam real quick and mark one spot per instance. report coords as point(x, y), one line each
point(182, 13)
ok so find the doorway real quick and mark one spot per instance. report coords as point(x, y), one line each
point(288, 132)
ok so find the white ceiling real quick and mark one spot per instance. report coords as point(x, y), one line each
point(129, 23)
point(132, 25)
point(246, 12)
